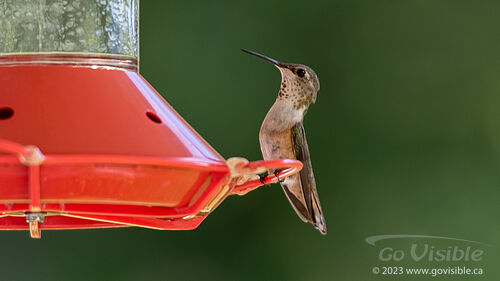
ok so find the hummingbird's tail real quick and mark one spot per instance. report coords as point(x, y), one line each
point(317, 216)
point(304, 199)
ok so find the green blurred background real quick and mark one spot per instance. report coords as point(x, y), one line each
point(404, 140)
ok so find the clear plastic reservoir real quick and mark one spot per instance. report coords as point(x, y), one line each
point(51, 29)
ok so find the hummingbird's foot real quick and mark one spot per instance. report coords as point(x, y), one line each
point(262, 179)
point(276, 174)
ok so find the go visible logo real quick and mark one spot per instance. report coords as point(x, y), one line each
point(470, 251)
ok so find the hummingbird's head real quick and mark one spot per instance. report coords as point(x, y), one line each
point(299, 83)
point(299, 79)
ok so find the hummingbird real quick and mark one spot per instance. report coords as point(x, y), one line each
point(282, 135)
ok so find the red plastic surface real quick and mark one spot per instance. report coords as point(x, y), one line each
point(113, 146)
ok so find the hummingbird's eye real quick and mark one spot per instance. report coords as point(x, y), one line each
point(301, 72)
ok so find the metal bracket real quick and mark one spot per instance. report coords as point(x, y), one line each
point(33, 219)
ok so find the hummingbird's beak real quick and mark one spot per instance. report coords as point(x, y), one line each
point(273, 61)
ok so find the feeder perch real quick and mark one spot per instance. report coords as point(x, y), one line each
point(86, 142)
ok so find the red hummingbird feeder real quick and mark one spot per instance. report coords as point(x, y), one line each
point(86, 142)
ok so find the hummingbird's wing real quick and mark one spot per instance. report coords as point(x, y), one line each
point(301, 189)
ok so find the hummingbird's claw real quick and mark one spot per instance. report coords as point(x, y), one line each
point(276, 174)
point(262, 179)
